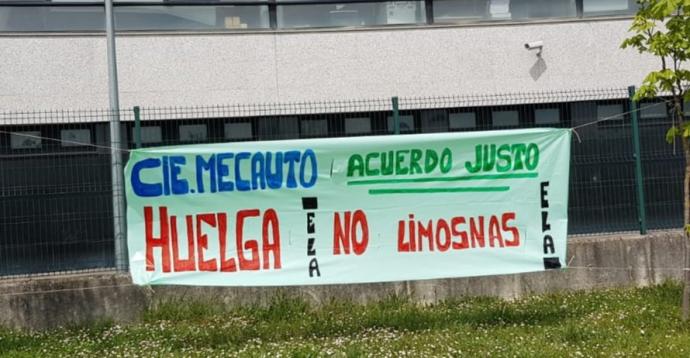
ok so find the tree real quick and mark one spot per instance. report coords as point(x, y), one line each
point(662, 28)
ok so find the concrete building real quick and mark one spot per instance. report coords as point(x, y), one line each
point(178, 53)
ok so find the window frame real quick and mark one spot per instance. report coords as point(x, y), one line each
point(425, 13)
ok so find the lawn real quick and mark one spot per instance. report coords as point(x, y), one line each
point(622, 322)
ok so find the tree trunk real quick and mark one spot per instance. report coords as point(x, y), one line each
point(686, 286)
point(686, 219)
point(686, 246)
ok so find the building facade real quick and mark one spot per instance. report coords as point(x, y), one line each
point(173, 53)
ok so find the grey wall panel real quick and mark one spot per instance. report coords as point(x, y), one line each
point(164, 70)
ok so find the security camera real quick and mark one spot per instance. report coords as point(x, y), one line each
point(535, 45)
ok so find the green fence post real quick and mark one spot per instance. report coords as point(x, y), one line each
point(396, 115)
point(137, 126)
point(642, 216)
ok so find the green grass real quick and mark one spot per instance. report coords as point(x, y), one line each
point(631, 322)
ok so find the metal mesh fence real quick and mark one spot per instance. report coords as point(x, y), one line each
point(55, 186)
point(55, 192)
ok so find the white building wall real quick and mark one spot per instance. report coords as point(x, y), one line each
point(69, 72)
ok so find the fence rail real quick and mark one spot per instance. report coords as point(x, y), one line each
point(55, 185)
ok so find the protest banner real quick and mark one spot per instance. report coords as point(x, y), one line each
point(349, 210)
